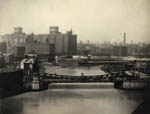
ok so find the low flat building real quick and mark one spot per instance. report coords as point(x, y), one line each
point(120, 51)
point(36, 47)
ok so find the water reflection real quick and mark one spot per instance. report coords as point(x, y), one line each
point(73, 101)
point(11, 106)
point(73, 70)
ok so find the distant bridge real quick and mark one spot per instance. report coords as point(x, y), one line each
point(96, 62)
point(56, 78)
point(41, 81)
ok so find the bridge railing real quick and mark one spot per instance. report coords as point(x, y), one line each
point(56, 78)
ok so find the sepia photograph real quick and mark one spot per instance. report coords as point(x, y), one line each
point(74, 56)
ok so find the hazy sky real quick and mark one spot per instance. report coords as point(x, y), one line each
point(94, 20)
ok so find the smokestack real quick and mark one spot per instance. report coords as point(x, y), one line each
point(124, 42)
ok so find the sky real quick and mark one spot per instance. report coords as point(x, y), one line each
point(93, 20)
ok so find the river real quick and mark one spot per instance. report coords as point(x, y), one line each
point(74, 98)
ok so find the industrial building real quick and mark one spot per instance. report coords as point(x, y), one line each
point(15, 38)
point(63, 43)
point(3, 47)
point(40, 49)
point(120, 51)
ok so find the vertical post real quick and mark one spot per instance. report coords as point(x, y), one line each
point(82, 74)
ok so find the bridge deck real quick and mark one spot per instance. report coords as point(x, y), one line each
point(55, 78)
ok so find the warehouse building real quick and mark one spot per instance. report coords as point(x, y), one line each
point(63, 43)
point(40, 49)
point(3, 47)
point(120, 51)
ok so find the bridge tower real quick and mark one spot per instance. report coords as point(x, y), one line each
point(32, 78)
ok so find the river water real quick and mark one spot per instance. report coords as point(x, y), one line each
point(74, 98)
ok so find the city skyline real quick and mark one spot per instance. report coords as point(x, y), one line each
point(94, 20)
point(21, 30)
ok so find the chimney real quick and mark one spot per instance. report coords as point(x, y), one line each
point(124, 42)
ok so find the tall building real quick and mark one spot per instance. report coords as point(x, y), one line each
point(3, 47)
point(15, 38)
point(59, 44)
point(72, 43)
point(64, 43)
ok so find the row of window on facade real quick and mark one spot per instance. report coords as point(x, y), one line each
point(62, 42)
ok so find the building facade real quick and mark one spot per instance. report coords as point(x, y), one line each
point(120, 51)
point(40, 49)
point(15, 38)
point(64, 43)
point(3, 47)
